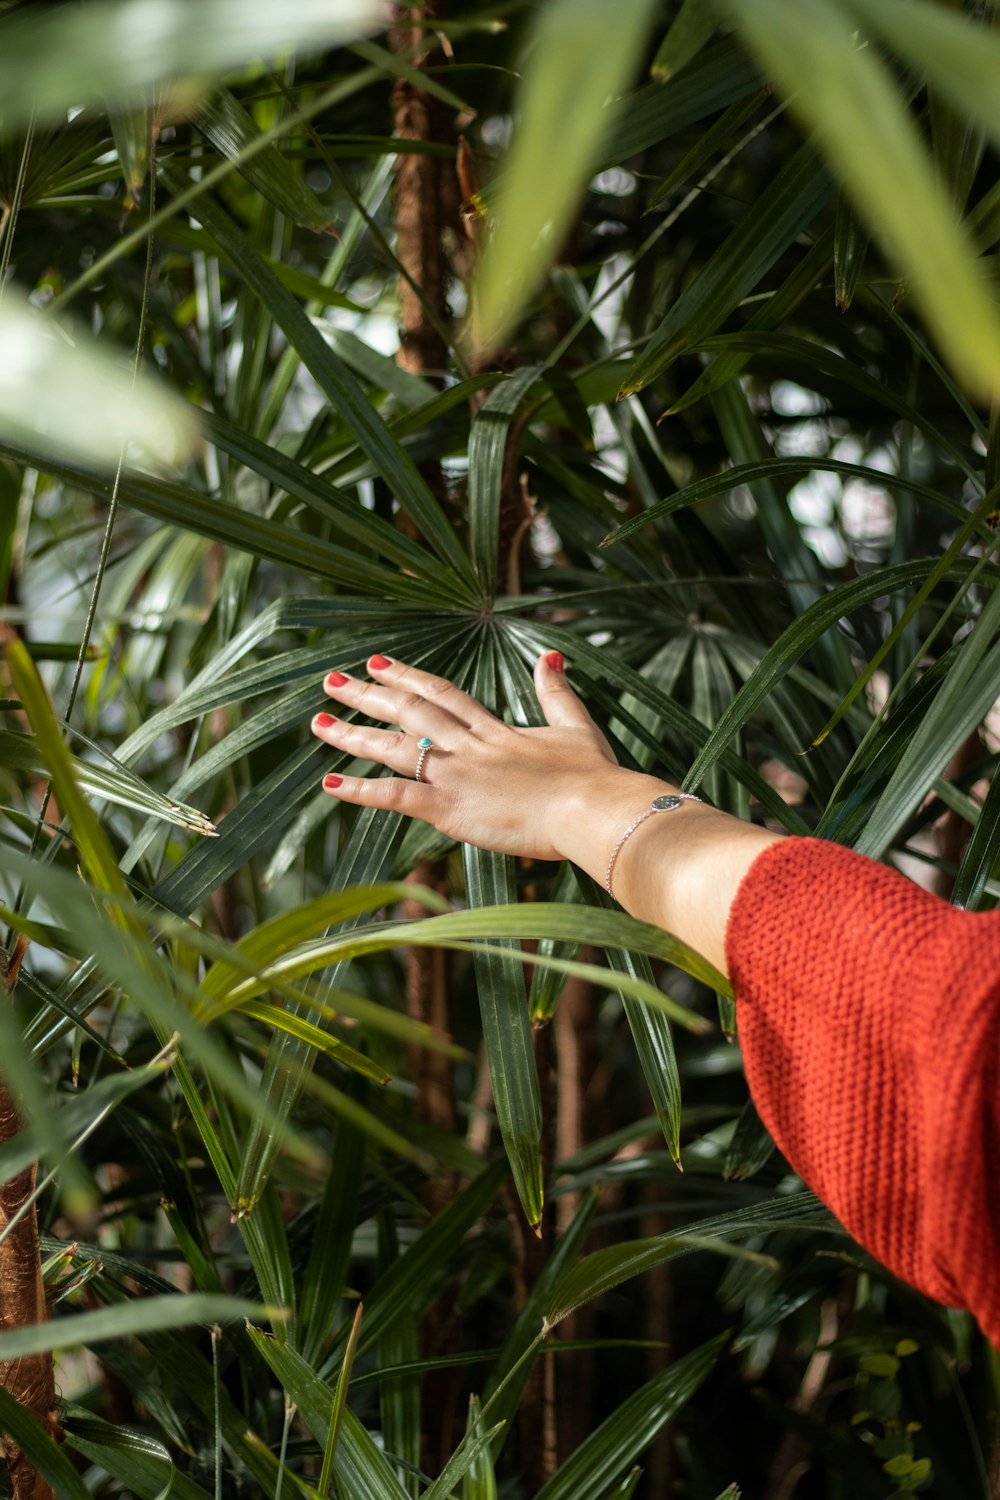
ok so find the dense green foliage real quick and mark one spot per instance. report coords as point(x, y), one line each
point(271, 1072)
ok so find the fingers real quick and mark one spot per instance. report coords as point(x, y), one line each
point(436, 692)
point(412, 798)
point(560, 704)
point(420, 704)
point(400, 752)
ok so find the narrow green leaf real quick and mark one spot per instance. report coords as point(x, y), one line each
point(289, 1061)
point(733, 478)
point(178, 1359)
point(511, 1370)
point(713, 142)
point(750, 1148)
point(330, 1252)
point(113, 782)
point(746, 442)
point(126, 958)
point(138, 1462)
point(850, 244)
point(488, 440)
point(503, 1008)
point(608, 1268)
point(94, 847)
point(719, 76)
point(957, 51)
point(399, 1396)
point(280, 1019)
point(797, 639)
point(46, 1458)
point(129, 1320)
point(690, 29)
point(101, 409)
point(485, 928)
point(359, 1465)
point(816, 358)
point(79, 1112)
point(224, 122)
point(480, 1481)
point(973, 523)
point(637, 1422)
point(475, 1445)
point(393, 63)
point(958, 708)
point(844, 93)
point(339, 1402)
point(790, 203)
point(770, 315)
point(583, 53)
point(547, 983)
point(277, 936)
point(335, 380)
point(412, 1280)
point(132, 133)
point(982, 853)
point(51, 62)
point(259, 536)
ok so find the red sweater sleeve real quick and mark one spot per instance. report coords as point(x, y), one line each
point(869, 1018)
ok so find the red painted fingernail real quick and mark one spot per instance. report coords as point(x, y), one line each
point(378, 662)
point(555, 661)
point(324, 720)
point(335, 679)
point(331, 782)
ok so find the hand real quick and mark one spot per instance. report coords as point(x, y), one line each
point(550, 793)
point(483, 782)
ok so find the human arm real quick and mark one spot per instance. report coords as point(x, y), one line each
point(868, 1010)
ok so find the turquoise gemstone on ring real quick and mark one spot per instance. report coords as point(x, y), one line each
point(424, 744)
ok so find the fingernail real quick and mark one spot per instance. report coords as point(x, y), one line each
point(335, 679)
point(323, 721)
point(554, 660)
point(378, 662)
point(331, 782)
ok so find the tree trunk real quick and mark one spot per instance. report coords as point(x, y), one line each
point(30, 1380)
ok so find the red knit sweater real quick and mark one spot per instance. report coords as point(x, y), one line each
point(869, 1018)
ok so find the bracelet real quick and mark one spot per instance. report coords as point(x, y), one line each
point(667, 803)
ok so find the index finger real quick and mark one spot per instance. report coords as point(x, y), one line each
point(436, 690)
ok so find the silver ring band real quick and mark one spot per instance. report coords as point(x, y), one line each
point(425, 747)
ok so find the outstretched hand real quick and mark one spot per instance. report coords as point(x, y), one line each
point(482, 781)
point(555, 792)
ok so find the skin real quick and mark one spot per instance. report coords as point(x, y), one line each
point(552, 793)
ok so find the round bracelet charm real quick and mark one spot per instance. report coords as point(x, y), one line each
point(667, 802)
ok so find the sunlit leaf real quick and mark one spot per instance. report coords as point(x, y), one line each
point(121, 52)
point(584, 53)
point(844, 94)
point(92, 408)
point(691, 28)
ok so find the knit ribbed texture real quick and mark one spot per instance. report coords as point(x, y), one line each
point(869, 1019)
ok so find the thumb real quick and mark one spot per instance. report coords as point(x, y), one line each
point(560, 705)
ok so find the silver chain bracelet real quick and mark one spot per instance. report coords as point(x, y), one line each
point(667, 803)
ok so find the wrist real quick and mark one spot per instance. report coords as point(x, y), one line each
point(597, 810)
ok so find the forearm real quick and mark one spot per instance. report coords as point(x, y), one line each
point(679, 869)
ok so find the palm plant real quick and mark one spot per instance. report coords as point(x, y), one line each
point(358, 1153)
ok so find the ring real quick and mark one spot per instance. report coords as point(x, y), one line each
point(424, 746)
